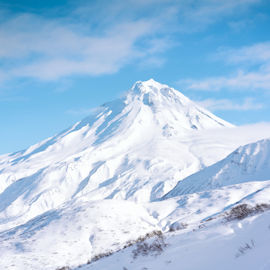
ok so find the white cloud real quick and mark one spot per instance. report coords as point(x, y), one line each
point(83, 111)
point(196, 15)
point(240, 25)
point(240, 81)
point(49, 49)
point(88, 55)
point(2, 76)
point(101, 37)
point(255, 54)
point(251, 133)
point(229, 105)
point(54, 51)
point(253, 64)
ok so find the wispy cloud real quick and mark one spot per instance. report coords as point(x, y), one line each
point(83, 111)
point(229, 105)
point(197, 15)
point(240, 81)
point(52, 51)
point(253, 70)
point(51, 48)
point(101, 37)
point(255, 54)
point(240, 25)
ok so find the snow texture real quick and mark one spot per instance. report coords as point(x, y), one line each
point(112, 178)
point(247, 163)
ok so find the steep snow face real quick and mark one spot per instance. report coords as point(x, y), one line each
point(247, 163)
point(134, 148)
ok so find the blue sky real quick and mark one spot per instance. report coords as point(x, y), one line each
point(59, 59)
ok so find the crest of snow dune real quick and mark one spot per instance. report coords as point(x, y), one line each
point(247, 163)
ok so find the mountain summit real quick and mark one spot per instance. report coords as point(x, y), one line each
point(134, 148)
point(170, 106)
point(99, 187)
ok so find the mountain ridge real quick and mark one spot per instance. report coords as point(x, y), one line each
point(247, 163)
point(98, 186)
point(131, 148)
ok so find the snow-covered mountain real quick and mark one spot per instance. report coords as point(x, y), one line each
point(134, 148)
point(98, 185)
point(247, 163)
point(203, 237)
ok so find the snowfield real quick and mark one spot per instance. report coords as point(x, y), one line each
point(152, 161)
point(238, 245)
point(247, 163)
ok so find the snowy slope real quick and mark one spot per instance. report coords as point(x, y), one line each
point(203, 238)
point(236, 245)
point(135, 148)
point(73, 234)
point(96, 186)
point(81, 229)
point(247, 163)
